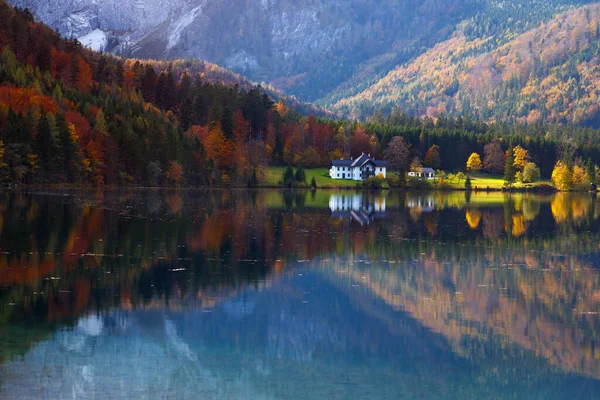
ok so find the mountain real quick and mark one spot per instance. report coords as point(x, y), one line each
point(547, 74)
point(305, 48)
point(353, 56)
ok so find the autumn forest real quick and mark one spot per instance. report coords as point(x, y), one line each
point(71, 115)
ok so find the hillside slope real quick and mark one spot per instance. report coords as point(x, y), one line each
point(306, 48)
point(548, 74)
point(320, 50)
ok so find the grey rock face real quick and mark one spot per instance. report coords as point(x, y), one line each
point(319, 43)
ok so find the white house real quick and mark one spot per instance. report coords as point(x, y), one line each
point(425, 173)
point(364, 167)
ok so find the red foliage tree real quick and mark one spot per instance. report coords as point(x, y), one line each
point(360, 141)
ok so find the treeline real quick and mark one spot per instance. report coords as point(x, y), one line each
point(70, 115)
point(457, 138)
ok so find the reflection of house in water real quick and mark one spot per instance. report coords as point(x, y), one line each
point(424, 204)
point(363, 208)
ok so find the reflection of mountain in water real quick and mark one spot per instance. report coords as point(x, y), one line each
point(548, 311)
point(361, 207)
point(311, 335)
point(208, 285)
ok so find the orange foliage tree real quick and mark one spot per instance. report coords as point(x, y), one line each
point(218, 149)
point(174, 173)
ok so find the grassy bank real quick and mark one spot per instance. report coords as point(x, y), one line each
point(274, 175)
point(492, 182)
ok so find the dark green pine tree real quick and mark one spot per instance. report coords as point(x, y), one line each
point(43, 56)
point(509, 167)
point(68, 147)
point(160, 91)
point(185, 85)
point(288, 176)
point(215, 114)
point(138, 74)
point(300, 175)
point(74, 66)
point(185, 114)
point(17, 129)
point(44, 144)
point(468, 184)
point(590, 171)
point(227, 122)
point(120, 73)
point(199, 112)
point(100, 71)
point(148, 83)
point(170, 91)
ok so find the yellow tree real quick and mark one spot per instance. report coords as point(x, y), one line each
point(474, 163)
point(579, 175)
point(562, 176)
point(521, 158)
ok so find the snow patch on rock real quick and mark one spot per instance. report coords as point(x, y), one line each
point(95, 40)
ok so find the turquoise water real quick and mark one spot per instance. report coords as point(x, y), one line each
point(295, 295)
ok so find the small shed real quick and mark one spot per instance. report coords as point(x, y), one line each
point(423, 173)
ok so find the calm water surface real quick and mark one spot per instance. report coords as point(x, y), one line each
point(273, 295)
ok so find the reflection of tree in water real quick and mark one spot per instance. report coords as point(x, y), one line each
point(573, 208)
point(67, 256)
point(493, 223)
point(430, 221)
point(473, 217)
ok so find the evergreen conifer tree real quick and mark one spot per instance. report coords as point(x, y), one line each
point(509, 167)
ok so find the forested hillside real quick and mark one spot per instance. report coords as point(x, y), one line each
point(71, 115)
point(548, 74)
point(321, 50)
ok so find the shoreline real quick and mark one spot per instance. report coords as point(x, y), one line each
point(533, 189)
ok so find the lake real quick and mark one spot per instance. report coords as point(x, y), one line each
point(296, 295)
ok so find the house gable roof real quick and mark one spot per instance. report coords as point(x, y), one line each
point(341, 163)
point(359, 162)
point(425, 170)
